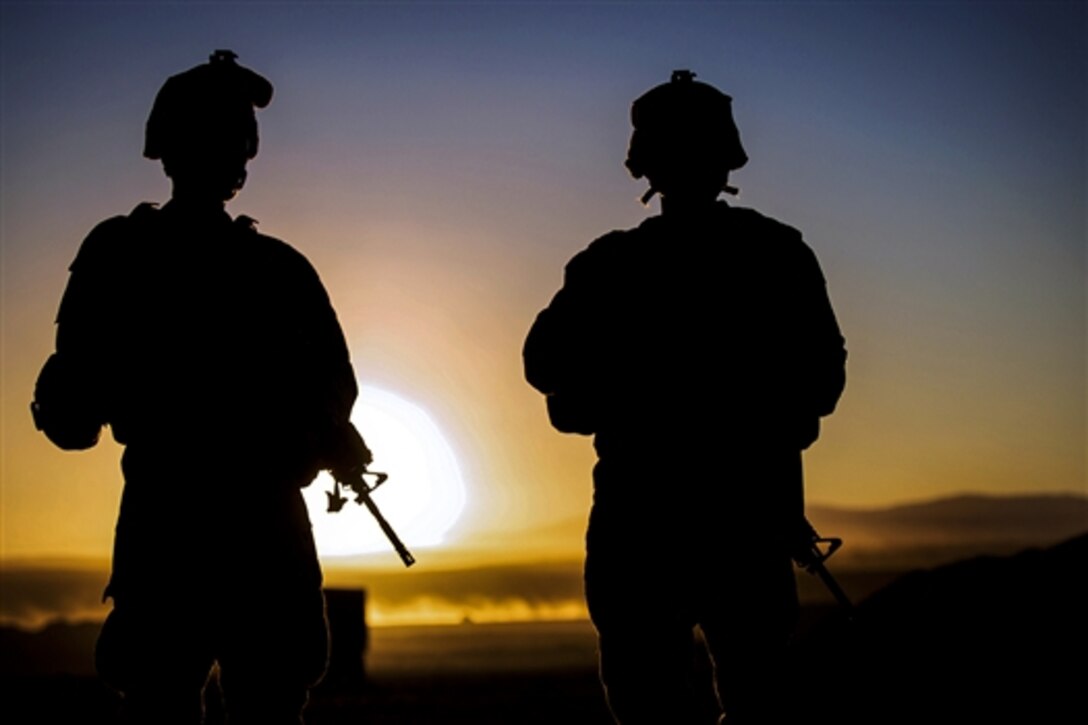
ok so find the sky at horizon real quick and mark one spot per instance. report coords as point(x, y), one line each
point(439, 163)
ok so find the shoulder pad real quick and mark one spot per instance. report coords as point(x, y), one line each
point(100, 244)
point(766, 224)
point(613, 240)
point(600, 250)
point(246, 223)
point(144, 210)
point(271, 250)
point(649, 224)
point(110, 236)
point(786, 241)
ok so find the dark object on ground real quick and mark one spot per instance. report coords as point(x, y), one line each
point(986, 640)
point(348, 639)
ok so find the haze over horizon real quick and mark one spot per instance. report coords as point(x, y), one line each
point(439, 164)
point(471, 582)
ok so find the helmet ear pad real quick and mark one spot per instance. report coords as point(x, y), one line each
point(680, 161)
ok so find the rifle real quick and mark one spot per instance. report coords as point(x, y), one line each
point(357, 482)
point(811, 555)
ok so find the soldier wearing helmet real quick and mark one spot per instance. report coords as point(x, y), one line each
point(700, 350)
point(214, 356)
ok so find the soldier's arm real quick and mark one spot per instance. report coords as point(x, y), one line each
point(69, 404)
point(547, 350)
point(560, 352)
point(332, 387)
point(824, 344)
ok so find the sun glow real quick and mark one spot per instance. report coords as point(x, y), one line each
point(423, 497)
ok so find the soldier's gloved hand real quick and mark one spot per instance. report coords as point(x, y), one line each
point(349, 454)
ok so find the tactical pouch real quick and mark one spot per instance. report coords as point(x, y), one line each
point(63, 408)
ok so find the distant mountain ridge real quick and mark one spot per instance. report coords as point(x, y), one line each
point(898, 537)
point(501, 567)
point(970, 521)
point(965, 520)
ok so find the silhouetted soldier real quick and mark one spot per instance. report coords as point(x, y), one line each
point(700, 349)
point(213, 354)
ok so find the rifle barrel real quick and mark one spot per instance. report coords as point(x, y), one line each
point(833, 586)
point(363, 496)
point(402, 550)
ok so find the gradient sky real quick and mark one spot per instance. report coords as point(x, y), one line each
point(440, 162)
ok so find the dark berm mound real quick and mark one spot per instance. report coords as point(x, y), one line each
point(986, 640)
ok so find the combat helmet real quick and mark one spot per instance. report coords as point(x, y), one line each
point(206, 103)
point(683, 124)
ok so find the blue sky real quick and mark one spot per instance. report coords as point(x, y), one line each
point(439, 163)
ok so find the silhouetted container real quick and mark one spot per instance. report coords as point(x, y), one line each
point(348, 639)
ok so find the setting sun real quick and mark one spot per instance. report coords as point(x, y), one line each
point(423, 497)
point(425, 177)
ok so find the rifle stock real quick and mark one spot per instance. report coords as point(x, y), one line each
point(810, 556)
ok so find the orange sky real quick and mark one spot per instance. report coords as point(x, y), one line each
point(440, 205)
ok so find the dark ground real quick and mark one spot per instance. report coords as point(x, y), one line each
point(480, 674)
point(989, 640)
point(483, 674)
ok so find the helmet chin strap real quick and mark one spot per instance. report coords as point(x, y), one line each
point(645, 198)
